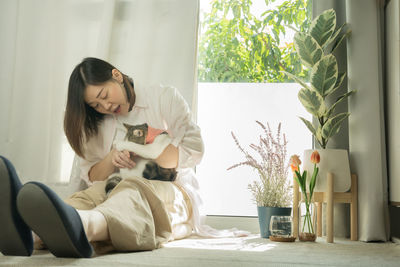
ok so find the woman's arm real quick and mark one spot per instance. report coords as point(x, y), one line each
point(102, 169)
point(161, 150)
point(186, 137)
point(115, 159)
point(169, 157)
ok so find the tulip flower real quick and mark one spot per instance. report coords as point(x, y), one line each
point(295, 162)
point(315, 158)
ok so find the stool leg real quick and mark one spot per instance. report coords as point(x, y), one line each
point(329, 208)
point(295, 209)
point(319, 218)
point(353, 209)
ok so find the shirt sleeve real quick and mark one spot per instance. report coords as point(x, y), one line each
point(91, 158)
point(96, 149)
point(185, 133)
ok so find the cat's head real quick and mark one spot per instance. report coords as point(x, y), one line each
point(136, 133)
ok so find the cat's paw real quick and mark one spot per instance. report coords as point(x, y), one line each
point(118, 145)
point(112, 182)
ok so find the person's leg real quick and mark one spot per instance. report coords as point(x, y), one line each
point(89, 198)
point(55, 222)
point(95, 225)
point(136, 217)
point(175, 199)
point(178, 205)
point(84, 201)
point(15, 235)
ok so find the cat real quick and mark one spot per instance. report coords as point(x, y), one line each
point(148, 147)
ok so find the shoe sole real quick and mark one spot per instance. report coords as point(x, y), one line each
point(40, 213)
point(15, 236)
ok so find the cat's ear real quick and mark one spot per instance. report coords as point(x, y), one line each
point(127, 126)
point(144, 126)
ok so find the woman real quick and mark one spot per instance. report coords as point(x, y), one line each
point(139, 214)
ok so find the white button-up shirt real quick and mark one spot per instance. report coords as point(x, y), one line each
point(161, 107)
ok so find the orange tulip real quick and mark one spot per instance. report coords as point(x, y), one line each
point(315, 158)
point(295, 162)
point(294, 168)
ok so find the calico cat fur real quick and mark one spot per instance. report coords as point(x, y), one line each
point(136, 135)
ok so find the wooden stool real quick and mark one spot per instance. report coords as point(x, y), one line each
point(329, 197)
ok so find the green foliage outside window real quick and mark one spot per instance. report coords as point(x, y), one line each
point(235, 46)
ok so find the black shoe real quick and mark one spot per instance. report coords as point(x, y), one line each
point(15, 236)
point(57, 224)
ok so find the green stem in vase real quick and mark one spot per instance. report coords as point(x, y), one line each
point(307, 219)
point(310, 223)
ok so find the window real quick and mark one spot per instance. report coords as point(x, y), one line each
point(241, 55)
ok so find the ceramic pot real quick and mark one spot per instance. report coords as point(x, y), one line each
point(335, 161)
point(264, 217)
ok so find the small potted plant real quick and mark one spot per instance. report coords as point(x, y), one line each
point(315, 49)
point(272, 192)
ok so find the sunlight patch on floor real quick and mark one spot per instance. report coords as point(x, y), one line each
point(249, 243)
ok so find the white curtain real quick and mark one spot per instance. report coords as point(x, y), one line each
point(364, 136)
point(42, 41)
point(366, 122)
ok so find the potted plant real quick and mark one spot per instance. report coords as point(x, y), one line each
point(272, 192)
point(315, 49)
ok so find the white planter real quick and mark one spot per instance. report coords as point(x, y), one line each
point(335, 161)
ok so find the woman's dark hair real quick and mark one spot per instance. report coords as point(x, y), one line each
point(81, 121)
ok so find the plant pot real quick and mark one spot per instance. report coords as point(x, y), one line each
point(264, 217)
point(335, 161)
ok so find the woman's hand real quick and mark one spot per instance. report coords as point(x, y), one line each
point(122, 159)
point(102, 169)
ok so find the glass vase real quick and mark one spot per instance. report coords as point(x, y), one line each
point(307, 221)
point(281, 226)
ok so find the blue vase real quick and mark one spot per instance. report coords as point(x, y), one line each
point(264, 217)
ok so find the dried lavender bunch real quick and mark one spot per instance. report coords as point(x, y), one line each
point(274, 188)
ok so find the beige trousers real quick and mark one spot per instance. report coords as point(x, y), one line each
point(141, 214)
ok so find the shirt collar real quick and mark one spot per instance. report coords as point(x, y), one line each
point(140, 100)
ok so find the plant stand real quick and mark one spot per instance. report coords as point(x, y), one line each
point(330, 197)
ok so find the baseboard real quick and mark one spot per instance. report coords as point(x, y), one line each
point(395, 240)
point(394, 212)
point(226, 222)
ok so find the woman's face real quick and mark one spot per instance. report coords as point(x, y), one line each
point(109, 97)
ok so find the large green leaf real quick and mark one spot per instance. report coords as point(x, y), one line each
point(338, 100)
point(309, 50)
point(324, 75)
point(335, 34)
point(323, 27)
point(312, 102)
point(338, 83)
point(340, 39)
point(297, 79)
point(332, 126)
point(309, 125)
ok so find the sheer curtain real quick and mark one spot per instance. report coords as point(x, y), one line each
point(41, 42)
point(364, 135)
